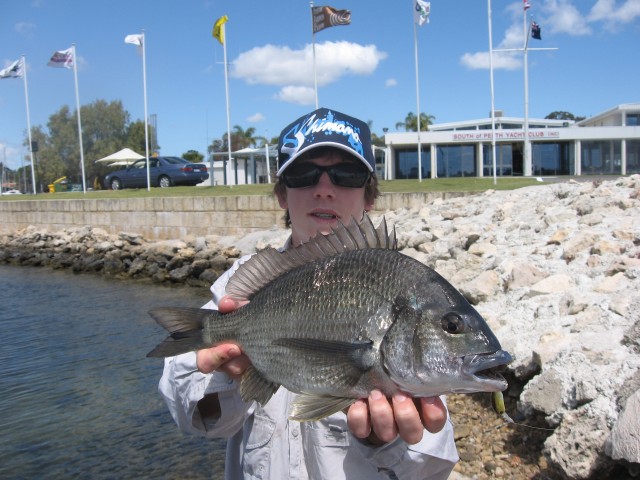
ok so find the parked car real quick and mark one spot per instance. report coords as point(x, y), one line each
point(163, 172)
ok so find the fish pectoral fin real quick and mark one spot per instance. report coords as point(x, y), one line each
point(333, 353)
point(308, 407)
point(254, 386)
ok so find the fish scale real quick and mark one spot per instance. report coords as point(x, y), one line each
point(337, 317)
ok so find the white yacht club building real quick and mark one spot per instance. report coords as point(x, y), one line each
point(607, 143)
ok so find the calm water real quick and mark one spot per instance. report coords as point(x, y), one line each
point(78, 397)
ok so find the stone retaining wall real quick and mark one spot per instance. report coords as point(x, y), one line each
point(170, 218)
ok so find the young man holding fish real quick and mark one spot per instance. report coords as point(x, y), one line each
point(326, 175)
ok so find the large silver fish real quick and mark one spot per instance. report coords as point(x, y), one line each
point(339, 316)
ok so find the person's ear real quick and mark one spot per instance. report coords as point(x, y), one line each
point(282, 199)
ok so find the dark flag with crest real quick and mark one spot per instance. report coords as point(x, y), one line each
point(325, 17)
point(535, 31)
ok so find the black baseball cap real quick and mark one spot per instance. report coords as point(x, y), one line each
point(325, 128)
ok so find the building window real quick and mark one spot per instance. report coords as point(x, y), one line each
point(508, 159)
point(550, 158)
point(633, 156)
point(457, 161)
point(633, 119)
point(406, 163)
point(601, 157)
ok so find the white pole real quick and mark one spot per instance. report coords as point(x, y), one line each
point(313, 42)
point(527, 144)
point(493, 107)
point(75, 76)
point(415, 43)
point(266, 152)
point(144, 89)
point(226, 89)
point(26, 98)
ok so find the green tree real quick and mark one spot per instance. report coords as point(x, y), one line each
point(240, 138)
point(135, 137)
point(105, 130)
point(410, 123)
point(561, 115)
point(193, 156)
point(375, 139)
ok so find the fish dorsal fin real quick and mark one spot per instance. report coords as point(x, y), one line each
point(269, 264)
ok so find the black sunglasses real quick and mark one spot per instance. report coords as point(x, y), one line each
point(350, 175)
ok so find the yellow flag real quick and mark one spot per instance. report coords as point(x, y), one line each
point(218, 29)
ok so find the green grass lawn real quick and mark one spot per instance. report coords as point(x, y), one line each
point(468, 184)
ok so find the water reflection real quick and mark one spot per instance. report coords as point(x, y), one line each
point(79, 396)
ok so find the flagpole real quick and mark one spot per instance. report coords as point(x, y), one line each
point(26, 98)
point(144, 90)
point(493, 107)
point(527, 170)
point(313, 42)
point(75, 76)
point(266, 152)
point(226, 90)
point(415, 44)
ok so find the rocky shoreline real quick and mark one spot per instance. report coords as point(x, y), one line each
point(554, 269)
point(196, 262)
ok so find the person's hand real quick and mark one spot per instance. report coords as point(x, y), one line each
point(380, 420)
point(225, 357)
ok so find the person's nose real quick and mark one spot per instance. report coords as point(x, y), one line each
point(325, 186)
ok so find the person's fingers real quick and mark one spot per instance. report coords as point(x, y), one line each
point(434, 413)
point(210, 359)
point(382, 421)
point(407, 418)
point(236, 367)
point(228, 304)
point(358, 419)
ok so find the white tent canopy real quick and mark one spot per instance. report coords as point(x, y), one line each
point(123, 157)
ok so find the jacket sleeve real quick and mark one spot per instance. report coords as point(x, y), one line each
point(433, 458)
point(183, 386)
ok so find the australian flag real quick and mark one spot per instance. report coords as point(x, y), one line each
point(535, 31)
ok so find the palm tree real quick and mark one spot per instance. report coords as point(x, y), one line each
point(410, 123)
point(240, 138)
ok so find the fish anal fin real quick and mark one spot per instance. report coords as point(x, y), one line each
point(307, 407)
point(254, 386)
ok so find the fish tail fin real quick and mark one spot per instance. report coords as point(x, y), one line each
point(185, 326)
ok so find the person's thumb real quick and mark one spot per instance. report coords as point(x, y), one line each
point(210, 359)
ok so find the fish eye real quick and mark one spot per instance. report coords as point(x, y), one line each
point(453, 323)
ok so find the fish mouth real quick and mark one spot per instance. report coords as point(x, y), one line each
point(485, 369)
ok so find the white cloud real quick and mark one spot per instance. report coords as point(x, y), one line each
point(297, 95)
point(513, 38)
point(501, 61)
point(560, 16)
point(612, 15)
point(391, 82)
point(293, 69)
point(25, 29)
point(256, 117)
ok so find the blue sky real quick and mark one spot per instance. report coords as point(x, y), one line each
point(366, 69)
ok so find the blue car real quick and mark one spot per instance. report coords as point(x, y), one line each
point(163, 172)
